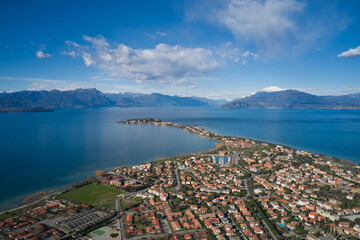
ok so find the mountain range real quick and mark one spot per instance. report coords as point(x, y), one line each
point(159, 100)
point(88, 98)
point(272, 97)
point(293, 99)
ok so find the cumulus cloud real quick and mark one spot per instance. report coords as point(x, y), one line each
point(266, 22)
point(351, 53)
point(163, 64)
point(41, 54)
point(228, 51)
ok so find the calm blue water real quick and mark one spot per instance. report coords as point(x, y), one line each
point(47, 150)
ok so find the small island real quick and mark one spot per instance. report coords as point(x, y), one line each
point(242, 189)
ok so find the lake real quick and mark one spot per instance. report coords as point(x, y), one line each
point(43, 151)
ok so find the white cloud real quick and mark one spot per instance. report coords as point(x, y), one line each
point(161, 34)
point(32, 79)
point(227, 51)
point(272, 28)
point(41, 54)
point(164, 64)
point(36, 86)
point(248, 53)
point(157, 35)
point(351, 53)
point(332, 91)
point(227, 95)
point(69, 53)
point(267, 22)
point(50, 84)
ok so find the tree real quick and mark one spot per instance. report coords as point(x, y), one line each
point(287, 190)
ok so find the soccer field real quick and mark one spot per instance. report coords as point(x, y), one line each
point(99, 232)
point(97, 195)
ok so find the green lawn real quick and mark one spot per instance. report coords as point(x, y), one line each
point(99, 232)
point(11, 214)
point(97, 195)
point(128, 203)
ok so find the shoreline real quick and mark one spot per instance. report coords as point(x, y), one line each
point(215, 136)
point(196, 130)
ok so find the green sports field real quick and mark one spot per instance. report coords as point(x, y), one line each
point(99, 232)
point(97, 195)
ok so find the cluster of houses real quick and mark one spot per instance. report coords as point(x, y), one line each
point(27, 225)
point(119, 182)
point(308, 192)
point(286, 192)
point(132, 226)
point(12, 224)
point(240, 143)
point(203, 175)
point(39, 231)
point(207, 187)
point(31, 225)
point(287, 183)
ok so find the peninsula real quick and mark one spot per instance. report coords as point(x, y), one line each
point(242, 189)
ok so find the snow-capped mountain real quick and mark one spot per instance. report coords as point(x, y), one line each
point(275, 97)
point(271, 89)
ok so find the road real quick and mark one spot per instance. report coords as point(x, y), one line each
point(235, 158)
point(244, 170)
point(234, 224)
point(178, 186)
point(267, 227)
point(118, 209)
point(249, 194)
point(247, 187)
point(247, 182)
point(118, 205)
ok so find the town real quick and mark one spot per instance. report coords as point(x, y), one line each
point(242, 189)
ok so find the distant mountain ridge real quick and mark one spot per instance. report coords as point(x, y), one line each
point(267, 98)
point(78, 98)
point(89, 98)
point(157, 100)
point(294, 99)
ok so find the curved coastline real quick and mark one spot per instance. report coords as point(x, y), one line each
point(203, 133)
point(199, 131)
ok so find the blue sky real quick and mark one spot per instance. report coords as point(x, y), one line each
point(210, 48)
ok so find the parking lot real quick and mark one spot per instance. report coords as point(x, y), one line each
point(84, 219)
